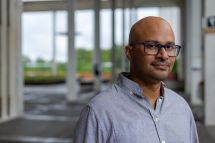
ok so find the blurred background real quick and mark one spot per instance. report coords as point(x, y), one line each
point(55, 55)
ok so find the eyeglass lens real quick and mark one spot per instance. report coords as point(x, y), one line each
point(153, 48)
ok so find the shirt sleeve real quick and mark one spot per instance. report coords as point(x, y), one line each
point(194, 135)
point(88, 129)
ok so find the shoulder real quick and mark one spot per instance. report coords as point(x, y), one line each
point(105, 99)
point(103, 107)
point(176, 100)
point(173, 96)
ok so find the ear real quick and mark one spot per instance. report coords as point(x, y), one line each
point(128, 52)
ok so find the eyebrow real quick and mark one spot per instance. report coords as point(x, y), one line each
point(154, 41)
point(169, 42)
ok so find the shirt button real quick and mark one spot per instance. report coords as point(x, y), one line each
point(156, 119)
point(163, 141)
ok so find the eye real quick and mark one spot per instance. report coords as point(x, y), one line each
point(150, 45)
point(170, 47)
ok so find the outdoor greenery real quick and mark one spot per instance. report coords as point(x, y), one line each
point(40, 70)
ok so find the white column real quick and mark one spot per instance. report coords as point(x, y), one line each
point(72, 85)
point(15, 59)
point(3, 60)
point(196, 65)
point(123, 57)
point(11, 57)
point(187, 48)
point(54, 47)
point(209, 67)
point(113, 52)
point(97, 50)
point(19, 65)
point(130, 13)
point(193, 51)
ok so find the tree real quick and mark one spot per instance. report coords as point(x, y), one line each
point(40, 61)
point(25, 60)
point(84, 60)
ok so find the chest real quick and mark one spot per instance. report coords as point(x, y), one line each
point(148, 128)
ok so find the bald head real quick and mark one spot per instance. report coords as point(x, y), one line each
point(148, 27)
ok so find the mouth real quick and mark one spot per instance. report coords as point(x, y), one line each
point(161, 66)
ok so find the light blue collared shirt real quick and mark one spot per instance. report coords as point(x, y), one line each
point(122, 115)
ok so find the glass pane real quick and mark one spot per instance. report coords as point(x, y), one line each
point(106, 41)
point(84, 29)
point(44, 33)
point(144, 12)
point(61, 22)
point(84, 42)
point(61, 43)
point(37, 35)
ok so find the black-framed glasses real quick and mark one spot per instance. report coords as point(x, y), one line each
point(154, 47)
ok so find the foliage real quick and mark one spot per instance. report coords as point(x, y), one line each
point(26, 60)
point(61, 67)
point(106, 57)
point(40, 61)
point(84, 60)
point(44, 79)
point(42, 70)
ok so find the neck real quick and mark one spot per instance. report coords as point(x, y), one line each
point(151, 90)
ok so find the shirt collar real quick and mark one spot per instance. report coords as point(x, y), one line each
point(131, 86)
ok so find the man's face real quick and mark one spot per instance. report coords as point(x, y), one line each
point(151, 68)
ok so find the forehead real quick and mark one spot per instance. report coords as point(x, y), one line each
point(161, 35)
point(156, 31)
point(163, 39)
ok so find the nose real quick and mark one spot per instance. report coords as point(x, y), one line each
point(162, 54)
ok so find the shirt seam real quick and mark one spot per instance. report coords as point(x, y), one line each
point(97, 119)
point(100, 126)
point(114, 92)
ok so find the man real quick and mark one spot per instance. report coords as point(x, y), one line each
point(139, 108)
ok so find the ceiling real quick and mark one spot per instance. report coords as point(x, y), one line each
point(49, 5)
